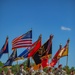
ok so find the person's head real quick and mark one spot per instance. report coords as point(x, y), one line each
point(9, 70)
point(50, 69)
point(72, 72)
point(3, 72)
point(60, 66)
point(31, 66)
point(21, 66)
point(55, 69)
point(40, 67)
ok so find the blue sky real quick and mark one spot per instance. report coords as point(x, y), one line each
point(44, 17)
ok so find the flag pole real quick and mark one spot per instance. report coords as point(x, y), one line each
point(68, 51)
point(28, 62)
point(67, 61)
point(8, 50)
point(17, 65)
point(8, 55)
point(60, 47)
point(58, 62)
point(17, 62)
point(51, 57)
point(51, 36)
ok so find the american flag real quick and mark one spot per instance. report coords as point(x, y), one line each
point(23, 41)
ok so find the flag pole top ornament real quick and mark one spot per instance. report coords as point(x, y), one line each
point(68, 41)
point(60, 46)
point(51, 36)
point(7, 37)
point(40, 35)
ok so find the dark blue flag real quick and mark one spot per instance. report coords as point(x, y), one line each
point(4, 48)
point(11, 58)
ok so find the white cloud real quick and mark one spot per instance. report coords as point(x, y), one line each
point(65, 28)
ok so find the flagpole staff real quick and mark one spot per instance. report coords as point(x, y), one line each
point(17, 62)
point(28, 62)
point(50, 41)
point(51, 36)
point(68, 51)
point(8, 54)
point(60, 47)
point(8, 48)
point(17, 65)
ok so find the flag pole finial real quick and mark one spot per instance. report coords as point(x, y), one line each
point(60, 46)
point(31, 29)
point(51, 36)
point(68, 40)
point(40, 35)
point(7, 36)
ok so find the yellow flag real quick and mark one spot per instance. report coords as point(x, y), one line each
point(63, 52)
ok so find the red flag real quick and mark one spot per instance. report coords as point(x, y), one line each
point(44, 61)
point(55, 59)
point(36, 47)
